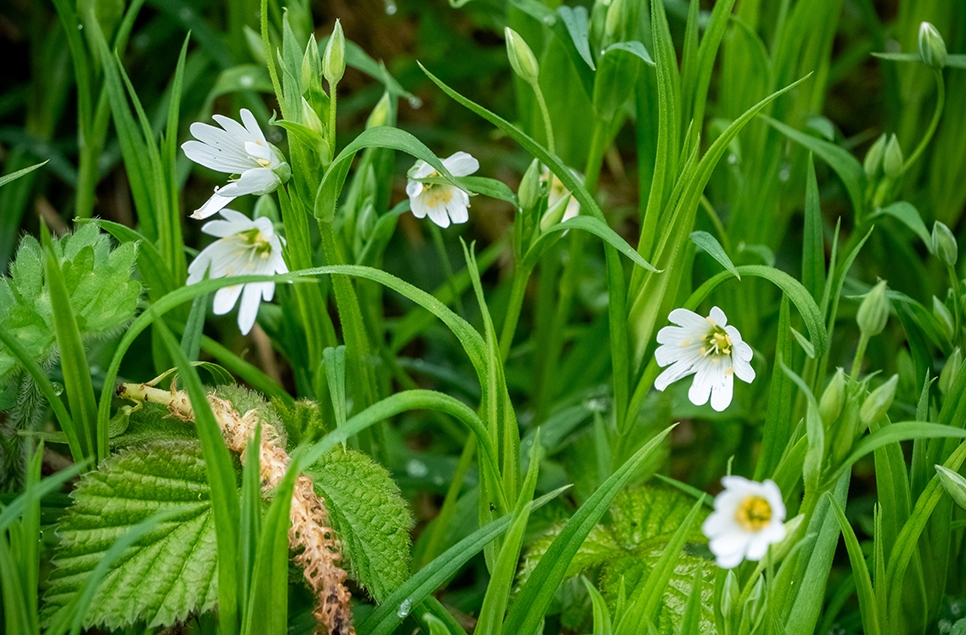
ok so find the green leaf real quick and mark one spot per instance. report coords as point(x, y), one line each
point(813, 244)
point(370, 516)
point(7, 178)
point(860, 570)
point(596, 227)
point(845, 165)
point(165, 576)
point(634, 48)
point(575, 19)
point(713, 248)
point(909, 216)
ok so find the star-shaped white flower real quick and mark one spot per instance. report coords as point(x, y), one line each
point(244, 247)
point(748, 516)
point(236, 149)
point(707, 348)
point(442, 203)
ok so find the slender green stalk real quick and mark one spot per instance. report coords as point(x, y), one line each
point(521, 276)
point(545, 114)
point(933, 124)
point(447, 266)
point(859, 355)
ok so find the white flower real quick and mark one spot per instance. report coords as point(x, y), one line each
point(236, 149)
point(707, 348)
point(748, 516)
point(244, 247)
point(441, 202)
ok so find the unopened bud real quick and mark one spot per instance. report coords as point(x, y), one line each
point(310, 119)
point(879, 401)
point(943, 316)
point(892, 160)
point(833, 399)
point(254, 42)
point(932, 48)
point(954, 484)
point(615, 13)
point(522, 60)
point(311, 75)
point(380, 114)
point(873, 158)
point(944, 244)
point(529, 192)
point(950, 369)
point(874, 311)
point(333, 61)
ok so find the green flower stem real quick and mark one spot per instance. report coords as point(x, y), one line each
point(517, 293)
point(957, 311)
point(333, 98)
point(859, 354)
point(440, 245)
point(545, 114)
point(933, 124)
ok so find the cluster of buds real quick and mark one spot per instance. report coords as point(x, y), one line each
point(847, 411)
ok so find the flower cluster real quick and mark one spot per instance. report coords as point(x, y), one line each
point(244, 246)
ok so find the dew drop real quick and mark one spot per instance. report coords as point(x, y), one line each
point(246, 81)
point(415, 103)
point(416, 469)
point(732, 159)
point(58, 388)
point(785, 174)
point(549, 20)
point(80, 27)
point(404, 608)
point(391, 7)
point(185, 13)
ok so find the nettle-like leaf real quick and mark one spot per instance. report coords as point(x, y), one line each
point(370, 516)
point(166, 576)
point(642, 521)
point(102, 294)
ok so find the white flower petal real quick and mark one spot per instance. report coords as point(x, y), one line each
point(251, 124)
point(729, 560)
point(704, 380)
point(757, 548)
point(437, 214)
point(719, 317)
point(248, 310)
point(743, 370)
point(218, 160)
point(213, 205)
point(414, 189)
point(254, 181)
point(673, 373)
point(461, 164)
point(689, 320)
point(457, 210)
point(235, 129)
point(722, 393)
point(421, 170)
point(419, 207)
point(225, 299)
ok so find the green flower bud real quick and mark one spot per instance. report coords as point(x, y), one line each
point(873, 158)
point(950, 369)
point(833, 399)
point(333, 61)
point(892, 159)
point(932, 48)
point(310, 119)
point(954, 484)
point(879, 401)
point(381, 113)
point(554, 213)
point(254, 42)
point(944, 316)
point(944, 244)
point(521, 57)
point(615, 14)
point(529, 192)
point(874, 311)
point(311, 75)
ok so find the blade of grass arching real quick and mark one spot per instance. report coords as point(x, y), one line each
point(650, 598)
point(603, 624)
point(860, 571)
point(47, 390)
point(776, 431)
point(531, 603)
point(221, 479)
point(490, 620)
point(250, 528)
point(813, 247)
point(270, 576)
point(6, 178)
point(73, 359)
point(397, 606)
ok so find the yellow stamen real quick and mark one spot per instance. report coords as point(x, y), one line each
point(753, 513)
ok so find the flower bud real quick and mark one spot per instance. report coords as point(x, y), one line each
point(873, 158)
point(554, 213)
point(932, 48)
point(254, 42)
point(944, 244)
point(310, 119)
point(333, 61)
point(892, 159)
point(830, 407)
point(380, 114)
point(879, 401)
point(943, 316)
point(874, 311)
point(529, 192)
point(521, 57)
point(954, 484)
point(950, 369)
point(311, 73)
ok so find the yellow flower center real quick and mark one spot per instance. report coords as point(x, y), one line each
point(265, 163)
point(436, 194)
point(717, 342)
point(753, 513)
point(257, 242)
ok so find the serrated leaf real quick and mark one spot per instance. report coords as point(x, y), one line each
point(370, 516)
point(165, 576)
